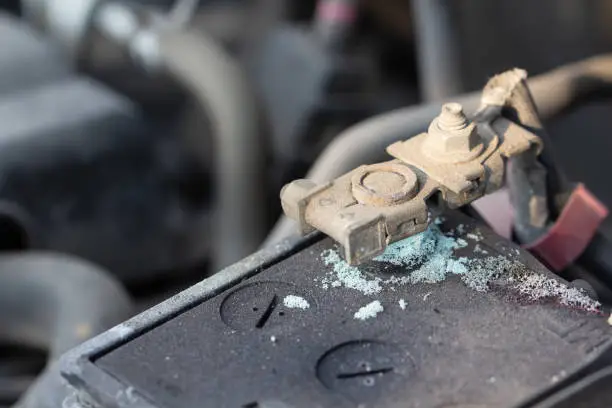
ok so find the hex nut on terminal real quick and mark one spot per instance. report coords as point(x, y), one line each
point(452, 138)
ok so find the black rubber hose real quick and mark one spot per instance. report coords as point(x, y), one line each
point(554, 93)
point(571, 85)
point(55, 302)
point(220, 87)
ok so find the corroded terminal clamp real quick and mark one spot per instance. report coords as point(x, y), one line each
point(456, 161)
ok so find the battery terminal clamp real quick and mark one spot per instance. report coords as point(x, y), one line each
point(454, 163)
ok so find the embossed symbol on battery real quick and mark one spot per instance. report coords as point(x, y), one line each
point(363, 369)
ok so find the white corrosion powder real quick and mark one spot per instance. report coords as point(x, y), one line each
point(428, 257)
point(370, 310)
point(537, 287)
point(347, 275)
point(295, 302)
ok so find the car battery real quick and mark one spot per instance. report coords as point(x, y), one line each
point(453, 317)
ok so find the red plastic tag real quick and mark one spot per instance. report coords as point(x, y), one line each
point(574, 229)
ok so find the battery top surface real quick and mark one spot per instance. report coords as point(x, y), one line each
point(487, 326)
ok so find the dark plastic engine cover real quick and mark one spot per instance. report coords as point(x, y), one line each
point(231, 342)
point(84, 171)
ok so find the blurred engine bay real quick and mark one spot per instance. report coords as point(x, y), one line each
point(144, 144)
